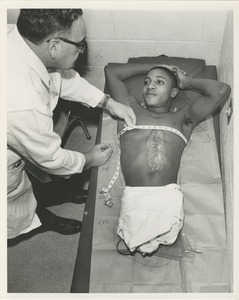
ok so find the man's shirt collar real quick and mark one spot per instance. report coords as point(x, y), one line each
point(30, 57)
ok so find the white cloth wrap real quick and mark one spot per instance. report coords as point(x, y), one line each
point(150, 216)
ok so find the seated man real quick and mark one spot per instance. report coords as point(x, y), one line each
point(152, 203)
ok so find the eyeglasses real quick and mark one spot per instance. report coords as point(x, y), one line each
point(82, 46)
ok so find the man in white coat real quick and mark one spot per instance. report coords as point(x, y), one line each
point(42, 50)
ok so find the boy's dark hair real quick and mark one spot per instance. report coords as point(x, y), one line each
point(37, 24)
point(170, 73)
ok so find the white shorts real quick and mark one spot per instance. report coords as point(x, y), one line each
point(150, 216)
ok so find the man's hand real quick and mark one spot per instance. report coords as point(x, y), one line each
point(98, 156)
point(120, 111)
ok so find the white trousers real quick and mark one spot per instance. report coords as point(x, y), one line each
point(21, 202)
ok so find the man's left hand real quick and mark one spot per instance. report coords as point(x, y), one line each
point(122, 112)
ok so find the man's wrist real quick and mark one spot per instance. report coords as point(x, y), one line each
point(104, 102)
point(189, 85)
point(88, 161)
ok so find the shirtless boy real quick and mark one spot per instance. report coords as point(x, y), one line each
point(152, 203)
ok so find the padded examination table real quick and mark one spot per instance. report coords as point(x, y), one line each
point(198, 260)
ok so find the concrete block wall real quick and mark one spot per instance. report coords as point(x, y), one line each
point(116, 35)
point(225, 73)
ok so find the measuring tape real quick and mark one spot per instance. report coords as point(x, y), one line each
point(155, 127)
point(104, 191)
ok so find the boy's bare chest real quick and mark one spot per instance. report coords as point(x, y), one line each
point(164, 119)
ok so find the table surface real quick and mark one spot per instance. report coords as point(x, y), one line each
point(82, 276)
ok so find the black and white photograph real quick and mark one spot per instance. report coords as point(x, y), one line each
point(119, 148)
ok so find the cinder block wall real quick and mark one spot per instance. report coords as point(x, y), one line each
point(116, 35)
point(225, 73)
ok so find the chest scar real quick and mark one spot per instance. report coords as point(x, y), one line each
point(156, 153)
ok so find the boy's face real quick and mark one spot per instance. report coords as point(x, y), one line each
point(157, 90)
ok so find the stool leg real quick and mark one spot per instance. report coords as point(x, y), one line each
point(72, 124)
point(82, 123)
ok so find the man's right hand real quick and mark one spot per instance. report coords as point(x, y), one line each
point(98, 156)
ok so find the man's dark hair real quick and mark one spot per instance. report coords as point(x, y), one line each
point(170, 74)
point(37, 24)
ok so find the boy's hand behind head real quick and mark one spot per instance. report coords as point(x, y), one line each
point(183, 79)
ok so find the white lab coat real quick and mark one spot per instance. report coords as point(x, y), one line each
point(33, 93)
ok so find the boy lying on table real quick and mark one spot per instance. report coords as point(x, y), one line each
point(152, 203)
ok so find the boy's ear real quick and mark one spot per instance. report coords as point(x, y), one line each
point(174, 92)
